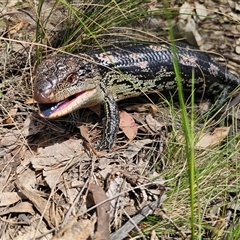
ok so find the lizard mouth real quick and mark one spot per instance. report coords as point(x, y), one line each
point(66, 106)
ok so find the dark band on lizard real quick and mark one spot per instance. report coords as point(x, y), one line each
point(66, 83)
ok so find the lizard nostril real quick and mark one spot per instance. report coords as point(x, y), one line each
point(44, 97)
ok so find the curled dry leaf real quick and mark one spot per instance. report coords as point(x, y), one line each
point(12, 113)
point(124, 197)
point(84, 132)
point(17, 27)
point(30, 101)
point(185, 11)
point(186, 26)
point(210, 140)
point(128, 125)
point(192, 33)
point(154, 124)
point(200, 10)
point(143, 108)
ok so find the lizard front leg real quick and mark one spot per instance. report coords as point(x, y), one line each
point(112, 123)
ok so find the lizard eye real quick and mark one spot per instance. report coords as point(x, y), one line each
point(71, 78)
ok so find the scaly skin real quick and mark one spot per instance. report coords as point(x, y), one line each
point(67, 83)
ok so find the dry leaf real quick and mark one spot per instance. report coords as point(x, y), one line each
point(115, 185)
point(186, 25)
point(9, 139)
point(191, 32)
point(186, 11)
point(29, 101)
point(22, 207)
point(213, 139)
point(134, 147)
point(57, 159)
point(16, 28)
point(200, 10)
point(45, 207)
point(154, 124)
point(12, 112)
point(28, 178)
point(143, 108)
point(53, 176)
point(32, 127)
point(5, 175)
point(128, 125)
point(8, 198)
point(81, 230)
point(84, 133)
point(55, 156)
point(237, 49)
point(103, 219)
point(204, 106)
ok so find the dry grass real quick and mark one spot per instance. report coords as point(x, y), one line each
point(23, 40)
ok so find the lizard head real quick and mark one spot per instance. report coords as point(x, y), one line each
point(66, 83)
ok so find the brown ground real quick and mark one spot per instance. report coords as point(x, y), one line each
point(52, 181)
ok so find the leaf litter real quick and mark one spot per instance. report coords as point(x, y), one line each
point(76, 181)
point(52, 183)
point(65, 180)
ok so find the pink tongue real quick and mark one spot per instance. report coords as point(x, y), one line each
point(48, 109)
